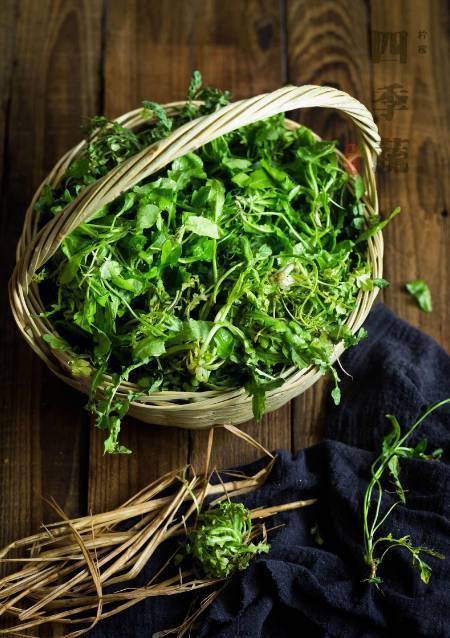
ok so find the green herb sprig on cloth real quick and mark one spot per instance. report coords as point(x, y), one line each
point(378, 543)
point(231, 267)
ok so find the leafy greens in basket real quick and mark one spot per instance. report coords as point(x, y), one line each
point(228, 268)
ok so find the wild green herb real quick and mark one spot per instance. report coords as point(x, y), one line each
point(377, 543)
point(221, 542)
point(420, 290)
point(231, 267)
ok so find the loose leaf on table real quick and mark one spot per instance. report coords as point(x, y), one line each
point(421, 292)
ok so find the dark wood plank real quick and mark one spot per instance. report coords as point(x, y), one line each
point(417, 243)
point(8, 17)
point(327, 44)
point(53, 86)
point(308, 414)
point(273, 432)
point(153, 47)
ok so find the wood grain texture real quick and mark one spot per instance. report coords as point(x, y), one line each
point(418, 243)
point(8, 18)
point(153, 47)
point(52, 86)
point(327, 43)
point(273, 432)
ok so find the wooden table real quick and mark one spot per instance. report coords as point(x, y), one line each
point(62, 61)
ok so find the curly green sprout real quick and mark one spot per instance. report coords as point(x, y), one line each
point(221, 542)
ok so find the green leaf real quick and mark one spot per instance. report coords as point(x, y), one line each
point(376, 227)
point(360, 187)
point(236, 164)
point(421, 447)
point(146, 216)
point(195, 330)
point(57, 343)
point(130, 284)
point(394, 468)
point(391, 439)
point(147, 348)
point(170, 252)
point(278, 175)
point(195, 85)
point(185, 169)
point(202, 226)
point(103, 347)
point(257, 390)
point(336, 395)
point(216, 197)
point(421, 292)
point(381, 283)
point(203, 249)
point(240, 179)
point(110, 269)
point(152, 108)
point(258, 179)
point(351, 339)
point(425, 570)
point(224, 342)
point(70, 269)
point(80, 368)
point(112, 445)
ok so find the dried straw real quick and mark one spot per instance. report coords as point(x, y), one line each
point(66, 571)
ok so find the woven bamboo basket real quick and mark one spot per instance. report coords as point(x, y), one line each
point(37, 245)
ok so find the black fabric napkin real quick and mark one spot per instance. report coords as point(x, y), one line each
point(303, 588)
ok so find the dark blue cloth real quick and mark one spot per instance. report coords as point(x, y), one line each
point(302, 588)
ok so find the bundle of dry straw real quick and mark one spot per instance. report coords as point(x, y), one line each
point(71, 572)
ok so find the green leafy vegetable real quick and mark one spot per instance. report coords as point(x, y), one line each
point(420, 290)
point(221, 541)
point(202, 226)
point(377, 225)
point(378, 543)
point(231, 267)
point(56, 342)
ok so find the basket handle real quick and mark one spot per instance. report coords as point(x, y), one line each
point(190, 137)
